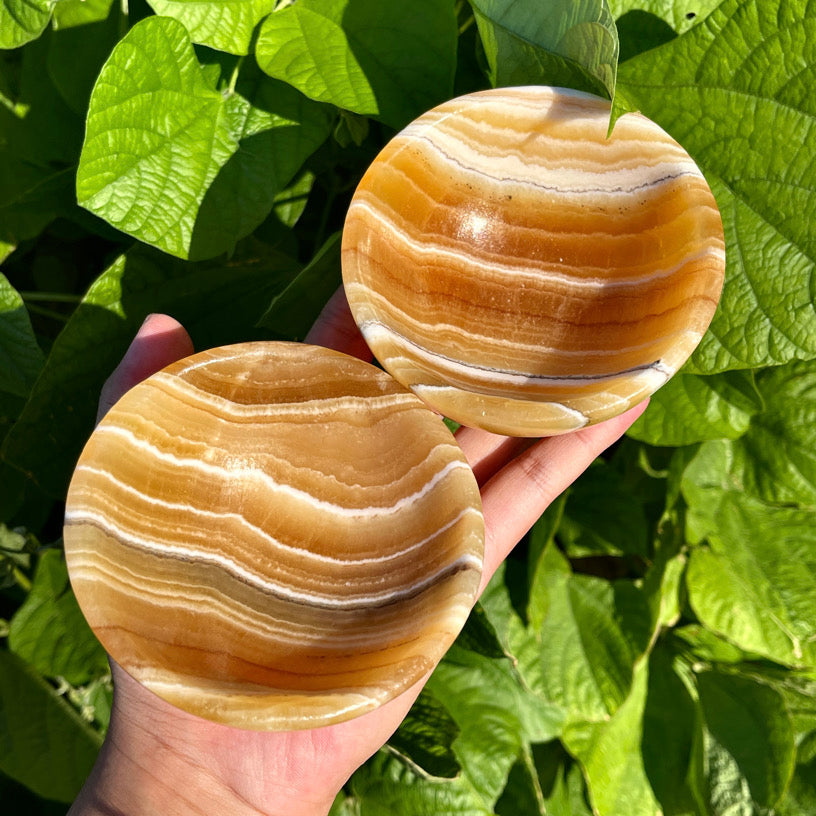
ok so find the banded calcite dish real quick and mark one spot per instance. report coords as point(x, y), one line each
point(274, 535)
point(524, 273)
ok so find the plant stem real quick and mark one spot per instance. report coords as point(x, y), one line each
point(124, 18)
point(21, 579)
point(53, 297)
point(234, 78)
point(466, 25)
point(43, 312)
point(331, 194)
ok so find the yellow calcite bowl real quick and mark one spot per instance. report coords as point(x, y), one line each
point(523, 273)
point(274, 536)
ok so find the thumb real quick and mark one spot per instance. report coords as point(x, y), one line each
point(161, 340)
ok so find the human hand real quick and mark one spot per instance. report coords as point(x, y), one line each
point(159, 759)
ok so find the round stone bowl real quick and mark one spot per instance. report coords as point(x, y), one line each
point(523, 272)
point(274, 536)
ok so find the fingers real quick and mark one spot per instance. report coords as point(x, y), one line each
point(487, 453)
point(336, 329)
point(161, 340)
point(515, 497)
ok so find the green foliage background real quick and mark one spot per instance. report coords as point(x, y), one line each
point(651, 647)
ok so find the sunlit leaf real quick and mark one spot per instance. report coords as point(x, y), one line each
point(690, 409)
point(227, 26)
point(610, 754)
point(23, 20)
point(179, 165)
point(392, 61)
point(736, 92)
point(755, 581)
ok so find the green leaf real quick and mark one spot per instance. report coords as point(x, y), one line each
point(556, 43)
point(392, 61)
point(43, 742)
point(522, 794)
point(15, 553)
point(49, 631)
point(385, 786)
point(748, 743)
point(800, 799)
point(775, 460)
point(23, 20)
point(700, 644)
point(277, 230)
point(492, 700)
point(344, 805)
point(798, 691)
point(479, 636)
point(495, 714)
point(278, 129)
point(180, 166)
point(292, 312)
point(425, 736)
point(226, 26)
point(736, 93)
point(602, 516)
point(71, 13)
point(589, 633)
point(668, 735)
point(31, 196)
point(755, 582)
point(690, 409)
point(610, 754)
point(291, 202)
point(781, 443)
point(59, 416)
point(561, 781)
point(84, 36)
point(36, 125)
point(680, 16)
point(639, 31)
point(20, 356)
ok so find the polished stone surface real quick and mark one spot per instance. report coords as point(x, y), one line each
point(525, 274)
point(274, 535)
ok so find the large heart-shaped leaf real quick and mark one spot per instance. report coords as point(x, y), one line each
point(755, 581)
point(172, 161)
point(737, 93)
